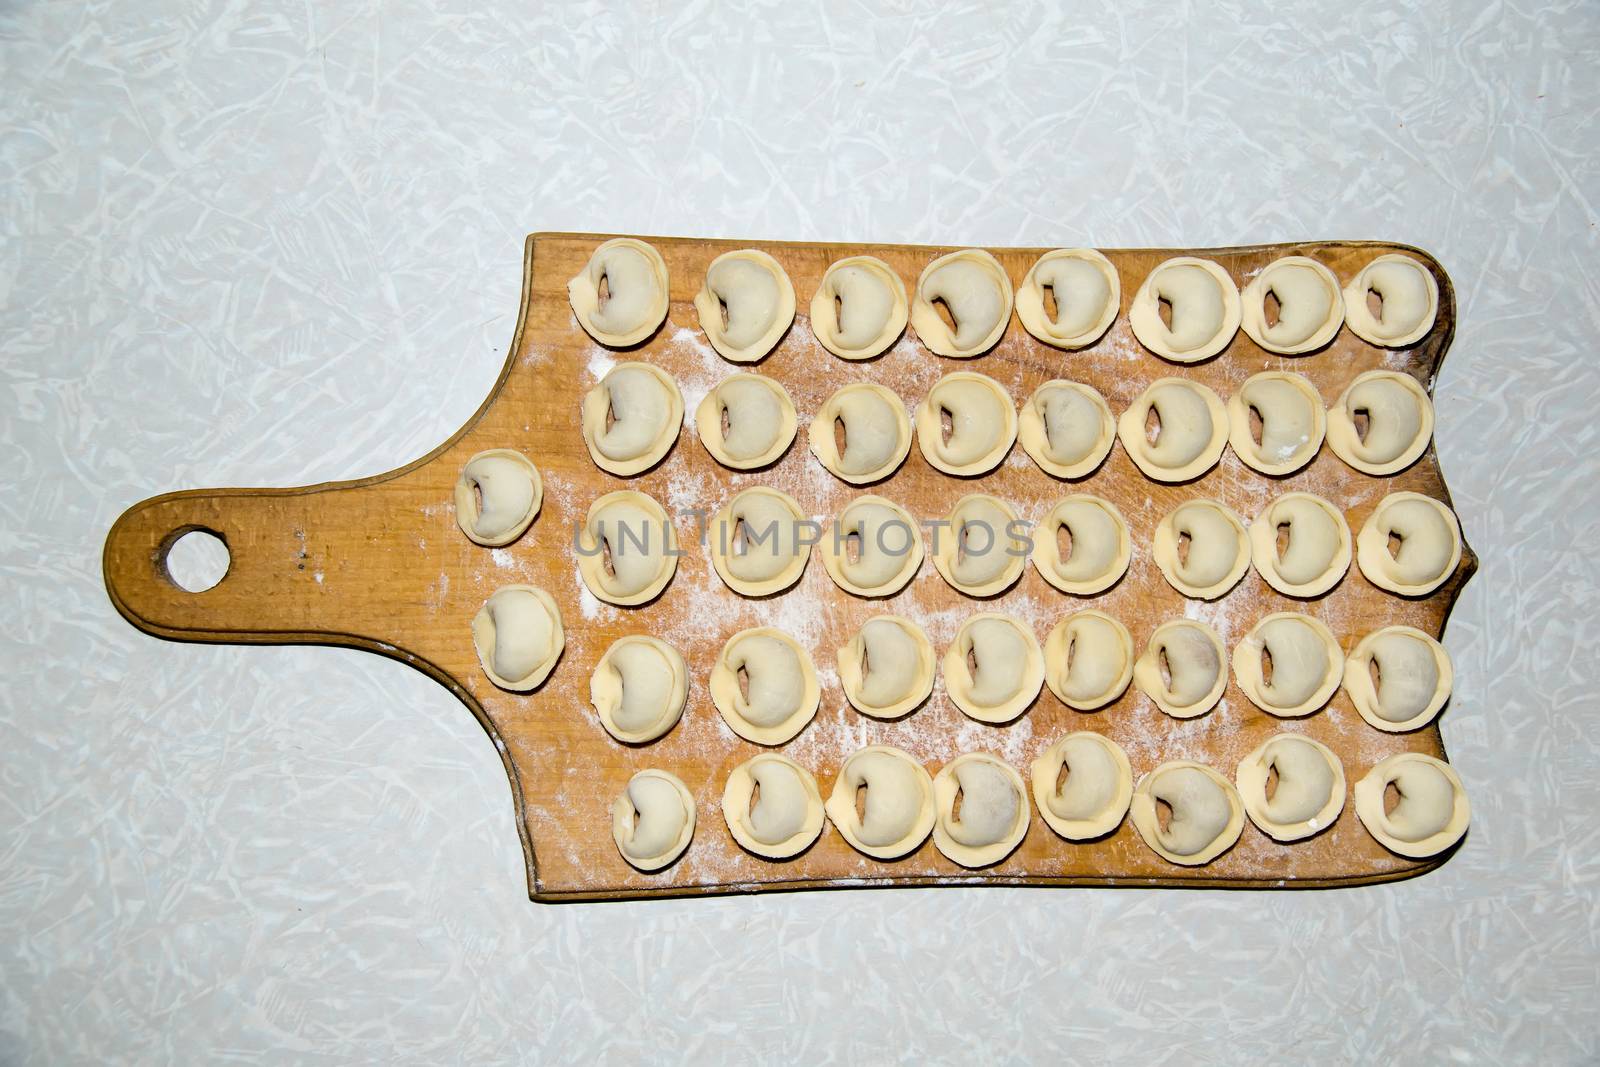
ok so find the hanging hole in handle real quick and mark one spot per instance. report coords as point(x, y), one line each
point(194, 558)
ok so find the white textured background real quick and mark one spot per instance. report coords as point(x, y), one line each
point(271, 243)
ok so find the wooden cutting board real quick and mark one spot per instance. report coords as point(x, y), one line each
point(379, 564)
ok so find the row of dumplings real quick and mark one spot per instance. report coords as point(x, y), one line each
point(1175, 431)
point(761, 540)
point(764, 683)
point(1188, 308)
point(1381, 424)
point(885, 804)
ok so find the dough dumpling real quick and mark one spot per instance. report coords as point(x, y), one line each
point(1310, 307)
point(874, 547)
point(746, 422)
point(620, 296)
point(760, 541)
point(886, 669)
point(631, 419)
point(518, 636)
point(639, 688)
point(1067, 428)
point(1398, 678)
point(1307, 664)
point(859, 308)
point(1097, 789)
point(1088, 660)
point(745, 304)
point(1381, 424)
point(1300, 545)
point(627, 549)
point(982, 425)
point(1206, 814)
point(652, 821)
point(993, 810)
point(1191, 429)
point(1085, 289)
point(497, 496)
point(898, 802)
point(1408, 299)
point(1432, 813)
point(861, 433)
point(1308, 793)
point(1429, 544)
point(1182, 669)
point(772, 806)
point(975, 290)
point(1204, 306)
point(980, 550)
point(1292, 422)
point(994, 668)
point(1202, 549)
point(765, 686)
point(1097, 546)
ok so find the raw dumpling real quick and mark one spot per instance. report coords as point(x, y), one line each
point(1306, 783)
point(764, 685)
point(994, 668)
point(1088, 660)
point(1429, 547)
point(518, 636)
point(1310, 309)
point(859, 308)
point(1083, 785)
point(1067, 428)
point(497, 496)
point(1408, 301)
point(1191, 428)
point(639, 688)
point(886, 669)
point(1382, 423)
point(746, 422)
point(1398, 678)
point(760, 541)
point(1291, 422)
point(894, 795)
point(631, 419)
point(982, 810)
point(1306, 664)
point(861, 433)
point(1202, 549)
point(1085, 289)
point(1204, 307)
point(634, 302)
point(1432, 812)
point(652, 821)
point(1182, 668)
point(745, 304)
point(1082, 545)
point(627, 549)
point(1301, 545)
point(982, 547)
point(975, 290)
point(1206, 818)
point(966, 425)
point(786, 816)
point(874, 547)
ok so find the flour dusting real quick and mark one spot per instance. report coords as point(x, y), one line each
point(588, 603)
point(600, 362)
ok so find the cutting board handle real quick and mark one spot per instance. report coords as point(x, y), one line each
point(280, 584)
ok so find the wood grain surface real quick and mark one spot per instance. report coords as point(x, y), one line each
point(380, 564)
